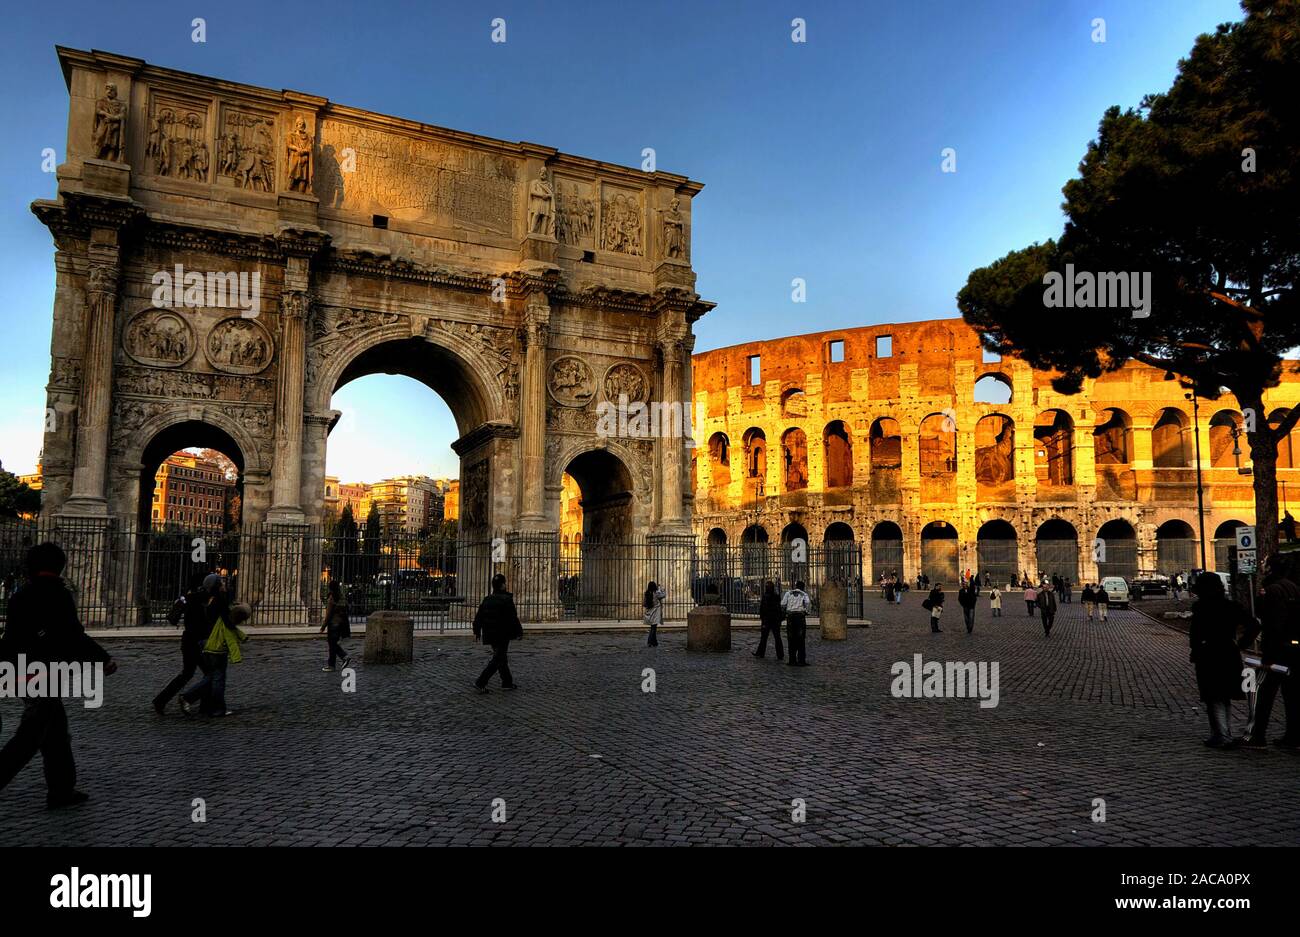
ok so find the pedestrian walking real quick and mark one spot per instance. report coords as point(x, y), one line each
point(967, 597)
point(1279, 632)
point(1031, 600)
point(770, 615)
point(934, 605)
point(1069, 590)
point(496, 624)
point(42, 626)
point(1212, 634)
point(652, 614)
point(1089, 599)
point(220, 650)
point(995, 603)
point(188, 609)
point(1046, 602)
point(337, 626)
point(1103, 603)
point(796, 604)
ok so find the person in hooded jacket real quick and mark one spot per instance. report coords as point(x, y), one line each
point(190, 609)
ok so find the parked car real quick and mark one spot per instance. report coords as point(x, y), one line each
point(1117, 590)
point(1153, 585)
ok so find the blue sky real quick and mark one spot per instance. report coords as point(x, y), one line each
point(820, 160)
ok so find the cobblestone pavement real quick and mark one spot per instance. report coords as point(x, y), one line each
point(716, 755)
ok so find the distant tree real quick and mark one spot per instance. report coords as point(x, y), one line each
point(1200, 188)
point(343, 547)
point(371, 559)
point(16, 498)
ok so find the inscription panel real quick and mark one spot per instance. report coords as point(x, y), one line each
point(416, 180)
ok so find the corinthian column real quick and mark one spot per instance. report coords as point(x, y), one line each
point(671, 448)
point(287, 468)
point(94, 408)
point(532, 412)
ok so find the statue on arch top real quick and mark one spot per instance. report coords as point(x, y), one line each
point(110, 122)
point(298, 146)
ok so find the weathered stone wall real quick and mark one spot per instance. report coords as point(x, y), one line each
point(1025, 462)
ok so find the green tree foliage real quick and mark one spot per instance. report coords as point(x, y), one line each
point(1200, 188)
point(16, 498)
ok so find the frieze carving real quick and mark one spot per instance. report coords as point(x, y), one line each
point(65, 373)
point(110, 125)
point(571, 382)
point(413, 179)
point(245, 151)
point(348, 319)
point(239, 346)
point(569, 420)
point(620, 222)
point(131, 415)
point(625, 378)
point(177, 142)
point(575, 213)
point(159, 337)
point(192, 385)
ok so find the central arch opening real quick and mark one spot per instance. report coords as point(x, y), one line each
point(599, 573)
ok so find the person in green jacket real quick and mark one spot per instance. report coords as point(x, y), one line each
point(221, 650)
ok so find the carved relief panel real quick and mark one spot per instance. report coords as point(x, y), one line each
point(575, 215)
point(571, 381)
point(622, 220)
point(159, 337)
point(413, 179)
point(239, 346)
point(176, 143)
point(627, 379)
point(246, 149)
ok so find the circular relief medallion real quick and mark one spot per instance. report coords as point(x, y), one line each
point(625, 379)
point(571, 382)
point(239, 346)
point(159, 337)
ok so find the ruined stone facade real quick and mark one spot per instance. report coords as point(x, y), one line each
point(305, 244)
point(874, 434)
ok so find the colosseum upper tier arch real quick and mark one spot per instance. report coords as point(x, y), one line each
point(882, 430)
point(228, 256)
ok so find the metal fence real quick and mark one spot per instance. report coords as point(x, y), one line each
point(125, 576)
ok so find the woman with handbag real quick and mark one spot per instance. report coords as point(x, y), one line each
point(337, 625)
point(934, 605)
point(653, 615)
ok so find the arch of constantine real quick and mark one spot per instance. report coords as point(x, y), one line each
point(229, 256)
point(876, 435)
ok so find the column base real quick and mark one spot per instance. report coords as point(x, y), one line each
point(84, 506)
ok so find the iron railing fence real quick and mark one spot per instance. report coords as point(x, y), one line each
point(123, 575)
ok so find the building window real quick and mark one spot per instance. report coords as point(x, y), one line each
point(755, 370)
point(884, 346)
point(835, 351)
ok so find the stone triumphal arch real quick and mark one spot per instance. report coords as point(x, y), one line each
point(228, 256)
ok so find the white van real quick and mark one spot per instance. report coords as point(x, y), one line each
point(1116, 590)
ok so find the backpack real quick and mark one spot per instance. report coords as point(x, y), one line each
point(177, 610)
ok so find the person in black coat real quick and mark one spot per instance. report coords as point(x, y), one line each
point(1213, 638)
point(770, 615)
point(189, 608)
point(1046, 603)
point(338, 625)
point(497, 623)
point(967, 597)
point(43, 627)
point(934, 605)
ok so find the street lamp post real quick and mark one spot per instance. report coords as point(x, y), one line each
point(1200, 488)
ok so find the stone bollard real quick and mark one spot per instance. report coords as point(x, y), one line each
point(833, 598)
point(708, 628)
point(389, 638)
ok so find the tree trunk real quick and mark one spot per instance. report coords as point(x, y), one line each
point(1263, 454)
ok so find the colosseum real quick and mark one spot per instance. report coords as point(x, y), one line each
point(945, 458)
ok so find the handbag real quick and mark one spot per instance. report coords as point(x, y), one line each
point(927, 605)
